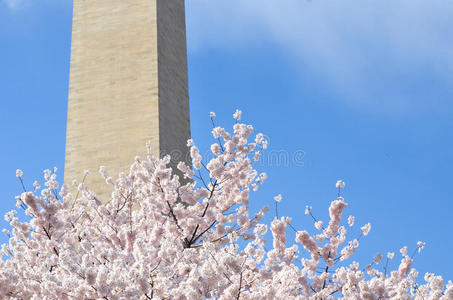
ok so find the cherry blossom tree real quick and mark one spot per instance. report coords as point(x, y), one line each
point(191, 236)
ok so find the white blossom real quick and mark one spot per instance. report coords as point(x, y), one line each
point(366, 229)
point(36, 185)
point(318, 225)
point(340, 184)
point(377, 258)
point(237, 115)
point(421, 246)
point(259, 138)
point(351, 220)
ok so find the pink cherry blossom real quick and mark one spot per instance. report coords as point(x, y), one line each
point(162, 236)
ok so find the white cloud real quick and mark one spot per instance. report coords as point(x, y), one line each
point(372, 53)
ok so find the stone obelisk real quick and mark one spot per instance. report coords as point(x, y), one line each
point(128, 85)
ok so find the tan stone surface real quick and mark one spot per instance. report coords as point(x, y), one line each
point(128, 85)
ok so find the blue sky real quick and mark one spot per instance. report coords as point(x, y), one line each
point(357, 91)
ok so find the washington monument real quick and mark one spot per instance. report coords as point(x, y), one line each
point(128, 85)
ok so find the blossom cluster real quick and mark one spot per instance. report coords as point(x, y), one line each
point(192, 236)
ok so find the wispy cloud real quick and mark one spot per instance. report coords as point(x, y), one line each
point(14, 4)
point(380, 55)
point(22, 4)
